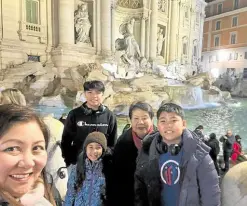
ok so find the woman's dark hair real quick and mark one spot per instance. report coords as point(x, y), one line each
point(11, 114)
point(142, 106)
point(95, 84)
point(80, 170)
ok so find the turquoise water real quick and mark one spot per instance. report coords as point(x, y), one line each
point(216, 120)
point(220, 119)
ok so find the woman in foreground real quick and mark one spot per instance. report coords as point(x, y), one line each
point(23, 156)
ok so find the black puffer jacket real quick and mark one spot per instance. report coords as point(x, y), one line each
point(198, 177)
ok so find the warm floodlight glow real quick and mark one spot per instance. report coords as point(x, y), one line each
point(110, 67)
point(215, 72)
point(222, 55)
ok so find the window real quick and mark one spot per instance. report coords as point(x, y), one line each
point(210, 58)
point(219, 7)
point(185, 48)
point(234, 21)
point(186, 14)
point(230, 56)
point(33, 58)
point(32, 11)
point(216, 41)
point(236, 4)
point(195, 51)
point(245, 73)
point(217, 57)
point(233, 39)
point(245, 55)
point(236, 56)
point(217, 26)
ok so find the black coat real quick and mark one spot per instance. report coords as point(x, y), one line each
point(124, 163)
point(214, 144)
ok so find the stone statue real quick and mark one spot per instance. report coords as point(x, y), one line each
point(160, 40)
point(129, 44)
point(162, 5)
point(82, 24)
point(131, 60)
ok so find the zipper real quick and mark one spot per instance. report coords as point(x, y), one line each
point(91, 185)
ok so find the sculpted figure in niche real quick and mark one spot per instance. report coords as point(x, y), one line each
point(128, 43)
point(82, 24)
point(160, 40)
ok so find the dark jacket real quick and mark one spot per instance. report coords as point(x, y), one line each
point(227, 143)
point(214, 144)
point(79, 124)
point(198, 177)
point(124, 161)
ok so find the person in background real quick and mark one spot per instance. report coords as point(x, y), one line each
point(227, 141)
point(237, 154)
point(89, 181)
point(199, 132)
point(23, 156)
point(126, 151)
point(175, 168)
point(91, 116)
point(214, 144)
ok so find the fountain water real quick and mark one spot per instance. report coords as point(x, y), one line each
point(194, 99)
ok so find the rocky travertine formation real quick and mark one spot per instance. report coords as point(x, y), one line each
point(44, 85)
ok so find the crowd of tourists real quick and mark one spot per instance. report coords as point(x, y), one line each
point(147, 165)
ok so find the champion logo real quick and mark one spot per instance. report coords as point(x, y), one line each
point(80, 123)
point(84, 124)
point(170, 172)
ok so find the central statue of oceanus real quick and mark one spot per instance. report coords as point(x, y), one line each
point(132, 56)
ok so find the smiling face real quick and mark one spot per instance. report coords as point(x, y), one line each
point(22, 156)
point(94, 151)
point(171, 126)
point(94, 98)
point(141, 122)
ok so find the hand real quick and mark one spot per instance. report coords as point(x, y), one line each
point(225, 137)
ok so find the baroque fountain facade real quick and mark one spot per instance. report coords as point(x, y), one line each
point(141, 49)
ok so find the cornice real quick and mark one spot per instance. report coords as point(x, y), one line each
point(229, 13)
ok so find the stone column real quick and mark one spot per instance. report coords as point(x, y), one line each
point(113, 27)
point(174, 24)
point(210, 27)
point(106, 28)
point(66, 22)
point(147, 38)
point(202, 17)
point(153, 30)
point(143, 26)
point(98, 27)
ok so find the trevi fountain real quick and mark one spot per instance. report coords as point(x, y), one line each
point(144, 50)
